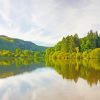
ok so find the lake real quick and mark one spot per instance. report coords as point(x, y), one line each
point(49, 80)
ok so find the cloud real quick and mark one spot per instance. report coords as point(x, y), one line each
point(46, 22)
point(5, 10)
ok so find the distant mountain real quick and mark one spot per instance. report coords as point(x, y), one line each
point(7, 43)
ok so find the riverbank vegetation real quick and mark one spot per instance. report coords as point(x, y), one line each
point(18, 53)
point(73, 47)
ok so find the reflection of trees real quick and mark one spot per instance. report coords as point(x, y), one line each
point(73, 69)
point(7, 74)
point(69, 69)
point(17, 61)
point(12, 66)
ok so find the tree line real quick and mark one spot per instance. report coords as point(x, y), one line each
point(21, 53)
point(74, 47)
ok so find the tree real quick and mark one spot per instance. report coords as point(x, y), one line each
point(26, 52)
point(17, 52)
point(49, 50)
point(76, 41)
point(91, 41)
point(36, 54)
point(64, 45)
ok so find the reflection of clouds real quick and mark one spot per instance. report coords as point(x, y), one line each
point(45, 84)
point(25, 87)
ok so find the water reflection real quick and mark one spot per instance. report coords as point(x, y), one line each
point(33, 79)
point(12, 66)
point(89, 70)
point(69, 69)
point(74, 69)
point(46, 84)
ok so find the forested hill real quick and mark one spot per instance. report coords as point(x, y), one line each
point(7, 43)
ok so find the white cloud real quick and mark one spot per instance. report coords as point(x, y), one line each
point(5, 10)
point(46, 21)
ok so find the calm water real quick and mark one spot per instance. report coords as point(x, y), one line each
point(49, 80)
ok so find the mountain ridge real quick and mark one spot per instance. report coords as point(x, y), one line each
point(8, 43)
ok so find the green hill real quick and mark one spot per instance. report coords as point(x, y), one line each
point(7, 43)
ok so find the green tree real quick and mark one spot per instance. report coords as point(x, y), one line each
point(27, 52)
point(17, 52)
point(36, 54)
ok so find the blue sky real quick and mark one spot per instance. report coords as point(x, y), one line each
point(45, 22)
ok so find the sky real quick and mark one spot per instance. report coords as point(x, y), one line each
point(45, 22)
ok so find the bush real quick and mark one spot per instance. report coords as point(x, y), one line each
point(95, 54)
point(79, 56)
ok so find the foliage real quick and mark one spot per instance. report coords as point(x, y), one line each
point(7, 43)
point(71, 47)
point(95, 54)
point(21, 53)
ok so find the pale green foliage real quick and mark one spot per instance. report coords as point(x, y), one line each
point(95, 54)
